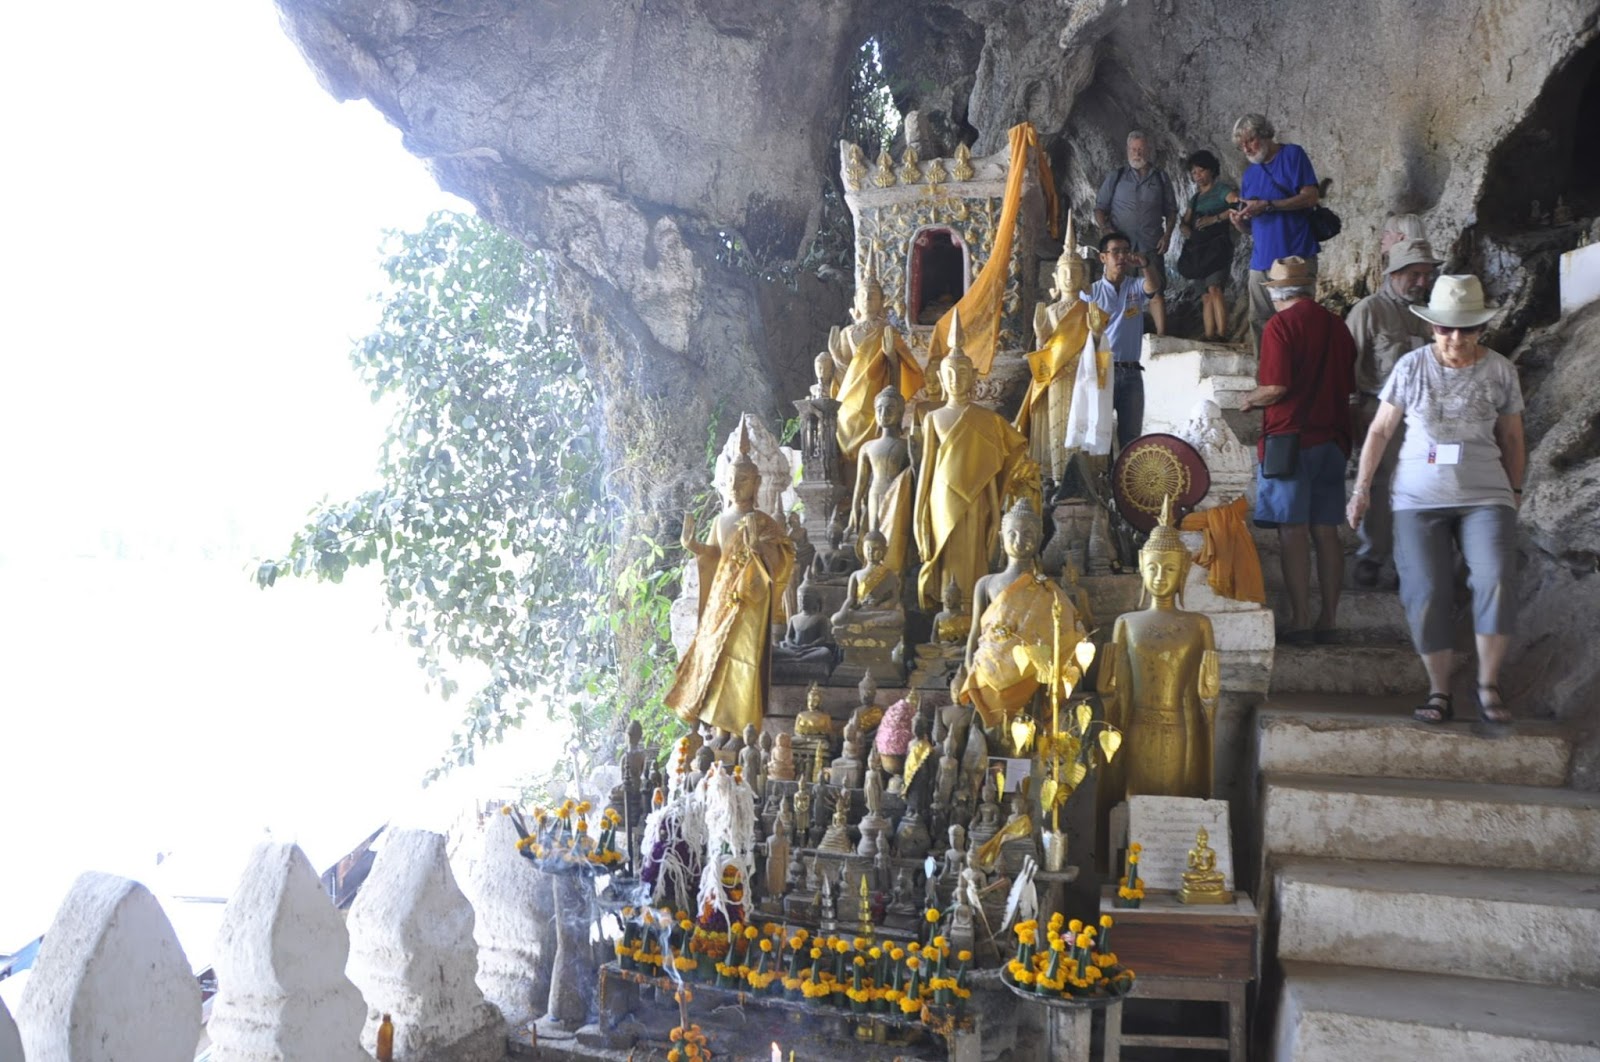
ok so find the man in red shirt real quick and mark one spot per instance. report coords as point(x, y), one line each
point(1304, 382)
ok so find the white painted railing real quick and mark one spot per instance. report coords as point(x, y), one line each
point(296, 980)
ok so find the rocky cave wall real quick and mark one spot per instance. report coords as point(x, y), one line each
point(672, 155)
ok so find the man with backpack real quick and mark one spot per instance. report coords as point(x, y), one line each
point(1277, 193)
point(1137, 199)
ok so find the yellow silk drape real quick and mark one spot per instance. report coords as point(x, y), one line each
point(1023, 614)
point(1229, 552)
point(981, 307)
point(867, 375)
point(1058, 358)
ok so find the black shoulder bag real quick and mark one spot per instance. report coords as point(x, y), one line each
point(1325, 224)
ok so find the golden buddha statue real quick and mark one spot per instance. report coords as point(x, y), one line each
point(1202, 881)
point(876, 357)
point(1061, 329)
point(882, 498)
point(872, 596)
point(973, 463)
point(1159, 682)
point(812, 720)
point(1014, 608)
point(723, 676)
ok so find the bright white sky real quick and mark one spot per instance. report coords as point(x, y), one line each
point(192, 238)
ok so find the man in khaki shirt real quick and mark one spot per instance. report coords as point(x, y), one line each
point(1385, 330)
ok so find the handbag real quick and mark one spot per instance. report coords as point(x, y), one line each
point(1208, 251)
point(1280, 455)
point(1325, 224)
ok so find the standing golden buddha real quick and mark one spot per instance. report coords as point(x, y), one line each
point(973, 463)
point(723, 676)
point(1160, 682)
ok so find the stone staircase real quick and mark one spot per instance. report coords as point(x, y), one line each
point(1430, 893)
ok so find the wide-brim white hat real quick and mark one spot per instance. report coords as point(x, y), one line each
point(1457, 302)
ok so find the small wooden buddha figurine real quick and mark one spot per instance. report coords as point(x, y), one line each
point(780, 768)
point(1202, 881)
point(1159, 682)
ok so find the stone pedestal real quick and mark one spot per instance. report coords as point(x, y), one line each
point(935, 664)
point(573, 978)
point(514, 927)
point(412, 956)
point(281, 953)
point(878, 651)
point(111, 981)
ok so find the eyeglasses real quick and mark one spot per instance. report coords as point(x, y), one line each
point(1445, 330)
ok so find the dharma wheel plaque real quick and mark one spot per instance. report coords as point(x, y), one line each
point(1152, 467)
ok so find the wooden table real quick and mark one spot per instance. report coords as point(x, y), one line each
point(1204, 952)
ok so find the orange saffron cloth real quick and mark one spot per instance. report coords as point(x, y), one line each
point(1229, 553)
point(981, 307)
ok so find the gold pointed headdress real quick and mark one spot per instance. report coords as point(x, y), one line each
point(956, 354)
point(1164, 536)
point(744, 463)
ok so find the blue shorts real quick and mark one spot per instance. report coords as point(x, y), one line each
point(1313, 495)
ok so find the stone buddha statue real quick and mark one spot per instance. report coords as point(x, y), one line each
point(845, 771)
point(1016, 608)
point(823, 367)
point(744, 567)
point(837, 839)
point(944, 784)
point(973, 463)
point(780, 768)
point(870, 626)
point(933, 398)
point(807, 650)
point(1159, 681)
point(955, 856)
point(804, 554)
point(876, 358)
point(777, 863)
point(1202, 881)
point(986, 822)
point(750, 758)
point(883, 492)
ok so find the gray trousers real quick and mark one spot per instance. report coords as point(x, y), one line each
point(1261, 308)
point(1425, 545)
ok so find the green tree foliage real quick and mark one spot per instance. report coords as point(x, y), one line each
point(492, 525)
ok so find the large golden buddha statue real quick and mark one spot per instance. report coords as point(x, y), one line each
point(874, 357)
point(723, 676)
point(882, 498)
point(1159, 682)
point(1061, 328)
point(973, 464)
point(1014, 607)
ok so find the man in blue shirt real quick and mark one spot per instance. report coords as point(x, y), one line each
point(1123, 297)
point(1276, 195)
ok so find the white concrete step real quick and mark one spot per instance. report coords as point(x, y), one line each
point(1524, 925)
point(1339, 1013)
point(1376, 737)
point(1366, 670)
point(1422, 821)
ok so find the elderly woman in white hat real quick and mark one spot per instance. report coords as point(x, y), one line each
point(1457, 486)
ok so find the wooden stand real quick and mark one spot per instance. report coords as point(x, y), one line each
point(1184, 952)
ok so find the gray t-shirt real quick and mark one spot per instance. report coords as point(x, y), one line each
point(1450, 457)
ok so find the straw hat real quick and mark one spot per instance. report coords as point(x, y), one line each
point(1409, 253)
point(1292, 272)
point(1457, 302)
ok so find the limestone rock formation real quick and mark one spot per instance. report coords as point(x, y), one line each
point(672, 158)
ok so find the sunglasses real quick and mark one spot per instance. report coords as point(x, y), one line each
point(1447, 330)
